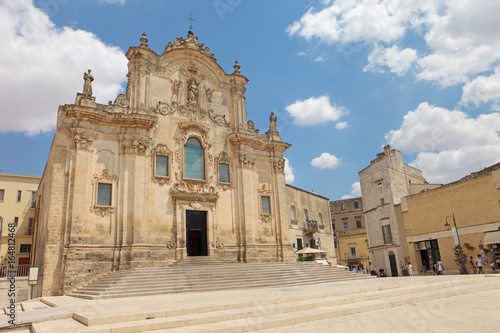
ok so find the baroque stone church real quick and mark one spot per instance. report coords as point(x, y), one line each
point(171, 169)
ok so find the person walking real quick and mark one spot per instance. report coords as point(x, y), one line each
point(410, 269)
point(440, 267)
point(479, 263)
point(472, 265)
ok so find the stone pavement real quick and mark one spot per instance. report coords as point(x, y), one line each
point(404, 304)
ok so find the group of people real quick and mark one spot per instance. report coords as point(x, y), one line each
point(477, 267)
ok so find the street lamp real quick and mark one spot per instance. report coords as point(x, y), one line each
point(456, 238)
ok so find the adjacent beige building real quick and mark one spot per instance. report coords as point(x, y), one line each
point(17, 208)
point(309, 221)
point(169, 170)
point(383, 184)
point(474, 203)
point(351, 241)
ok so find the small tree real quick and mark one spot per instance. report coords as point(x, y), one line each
point(457, 260)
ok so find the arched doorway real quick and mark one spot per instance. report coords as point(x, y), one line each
point(392, 262)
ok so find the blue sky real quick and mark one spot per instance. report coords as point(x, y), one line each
point(343, 77)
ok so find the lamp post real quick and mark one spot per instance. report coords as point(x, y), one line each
point(457, 239)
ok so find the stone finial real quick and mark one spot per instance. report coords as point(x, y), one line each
point(236, 68)
point(144, 41)
point(387, 150)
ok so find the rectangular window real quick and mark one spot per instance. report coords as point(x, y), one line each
point(381, 196)
point(25, 248)
point(104, 194)
point(320, 217)
point(19, 193)
point(356, 204)
point(266, 205)
point(161, 166)
point(224, 173)
point(345, 225)
point(299, 243)
point(16, 221)
point(33, 199)
point(353, 251)
point(358, 224)
point(333, 226)
point(292, 211)
point(31, 222)
point(342, 206)
point(306, 215)
point(386, 233)
point(2, 193)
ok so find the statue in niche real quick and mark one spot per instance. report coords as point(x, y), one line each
point(192, 92)
point(87, 84)
point(175, 88)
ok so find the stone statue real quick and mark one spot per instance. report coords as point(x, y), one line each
point(192, 92)
point(87, 84)
point(272, 125)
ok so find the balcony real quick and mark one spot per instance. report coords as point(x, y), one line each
point(351, 256)
point(32, 204)
point(310, 227)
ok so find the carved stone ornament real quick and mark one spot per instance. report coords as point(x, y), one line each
point(135, 147)
point(102, 210)
point(247, 162)
point(182, 243)
point(193, 187)
point(251, 127)
point(190, 43)
point(171, 244)
point(83, 140)
point(122, 101)
point(265, 218)
point(192, 91)
point(279, 165)
point(219, 244)
point(195, 205)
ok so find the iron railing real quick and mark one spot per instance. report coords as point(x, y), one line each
point(14, 270)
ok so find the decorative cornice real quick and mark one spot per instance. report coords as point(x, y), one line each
point(105, 118)
point(256, 142)
point(190, 43)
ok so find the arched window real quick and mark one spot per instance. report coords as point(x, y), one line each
point(194, 160)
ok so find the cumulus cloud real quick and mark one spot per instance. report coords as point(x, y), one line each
point(482, 89)
point(341, 125)
point(42, 66)
point(431, 128)
point(355, 191)
point(314, 110)
point(449, 144)
point(289, 176)
point(459, 46)
point(326, 161)
point(396, 60)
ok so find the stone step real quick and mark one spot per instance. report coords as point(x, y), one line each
point(244, 317)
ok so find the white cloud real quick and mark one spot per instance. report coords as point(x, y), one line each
point(42, 66)
point(431, 128)
point(319, 59)
point(482, 89)
point(301, 54)
point(341, 125)
point(448, 143)
point(460, 37)
point(355, 191)
point(289, 176)
point(398, 61)
point(326, 161)
point(314, 110)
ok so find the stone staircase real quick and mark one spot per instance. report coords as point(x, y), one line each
point(265, 309)
point(207, 274)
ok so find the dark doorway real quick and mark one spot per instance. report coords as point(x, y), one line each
point(394, 266)
point(196, 233)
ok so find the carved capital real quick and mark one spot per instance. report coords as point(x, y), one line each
point(279, 165)
point(135, 147)
point(246, 161)
point(83, 140)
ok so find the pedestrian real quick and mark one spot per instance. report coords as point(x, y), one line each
point(493, 268)
point(410, 269)
point(440, 267)
point(479, 263)
point(472, 265)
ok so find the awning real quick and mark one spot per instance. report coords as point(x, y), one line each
point(308, 250)
point(491, 237)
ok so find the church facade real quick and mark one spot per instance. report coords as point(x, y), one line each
point(171, 169)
